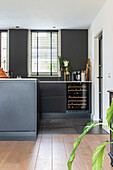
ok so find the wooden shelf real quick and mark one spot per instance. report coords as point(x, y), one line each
point(69, 87)
point(77, 97)
point(77, 100)
point(77, 90)
point(84, 104)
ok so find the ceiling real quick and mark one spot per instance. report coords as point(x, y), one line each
point(44, 14)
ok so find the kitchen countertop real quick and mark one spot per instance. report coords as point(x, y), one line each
point(18, 79)
point(65, 81)
point(35, 79)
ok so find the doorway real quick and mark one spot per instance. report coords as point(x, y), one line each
point(100, 75)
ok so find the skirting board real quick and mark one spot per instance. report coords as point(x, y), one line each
point(64, 115)
point(18, 136)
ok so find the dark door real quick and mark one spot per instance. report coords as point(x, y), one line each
point(100, 76)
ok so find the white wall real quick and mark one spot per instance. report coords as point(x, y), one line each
point(103, 21)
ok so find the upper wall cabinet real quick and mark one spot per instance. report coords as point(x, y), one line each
point(74, 47)
point(18, 47)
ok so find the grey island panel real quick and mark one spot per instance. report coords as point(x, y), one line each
point(18, 108)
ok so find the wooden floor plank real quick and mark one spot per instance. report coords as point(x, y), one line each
point(69, 141)
point(59, 155)
point(87, 153)
point(29, 158)
point(90, 139)
point(6, 148)
point(44, 155)
point(102, 139)
point(79, 157)
point(22, 157)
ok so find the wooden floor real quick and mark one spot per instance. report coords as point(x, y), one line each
point(51, 152)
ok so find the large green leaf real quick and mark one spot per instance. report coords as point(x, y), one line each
point(61, 61)
point(110, 113)
point(98, 156)
point(77, 142)
point(72, 156)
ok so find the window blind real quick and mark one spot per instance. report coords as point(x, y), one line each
point(44, 53)
point(3, 51)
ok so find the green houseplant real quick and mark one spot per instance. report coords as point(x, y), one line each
point(98, 155)
point(61, 62)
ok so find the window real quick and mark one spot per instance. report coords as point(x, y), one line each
point(44, 53)
point(3, 51)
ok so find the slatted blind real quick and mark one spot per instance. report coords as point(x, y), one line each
point(3, 51)
point(44, 53)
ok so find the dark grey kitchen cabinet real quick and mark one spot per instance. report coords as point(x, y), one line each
point(55, 101)
point(18, 52)
point(56, 104)
point(52, 97)
point(52, 89)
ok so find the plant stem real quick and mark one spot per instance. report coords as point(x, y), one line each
point(104, 125)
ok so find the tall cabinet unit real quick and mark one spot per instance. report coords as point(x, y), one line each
point(18, 51)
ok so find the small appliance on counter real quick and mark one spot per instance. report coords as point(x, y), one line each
point(76, 75)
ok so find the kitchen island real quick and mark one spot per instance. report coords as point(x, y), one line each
point(18, 109)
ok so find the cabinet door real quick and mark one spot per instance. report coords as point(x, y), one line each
point(52, 89)
point(53, 104)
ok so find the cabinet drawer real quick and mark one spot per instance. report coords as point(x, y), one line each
point(56, 104)
point(52, 89)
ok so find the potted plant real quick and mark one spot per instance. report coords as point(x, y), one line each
point(98, 155)
point(66, 63)
point(61, 63)
point(67, 69)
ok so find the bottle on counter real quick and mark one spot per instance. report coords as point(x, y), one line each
point(82, 75)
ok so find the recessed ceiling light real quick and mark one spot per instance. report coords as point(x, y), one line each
point(17, 26)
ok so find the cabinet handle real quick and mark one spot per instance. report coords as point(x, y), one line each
point(99, 77)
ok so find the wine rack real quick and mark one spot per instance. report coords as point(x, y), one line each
point(77, 96)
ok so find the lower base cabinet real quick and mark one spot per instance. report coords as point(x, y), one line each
point(65, 100)
point(56, 104)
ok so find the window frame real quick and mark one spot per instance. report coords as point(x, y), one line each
point(0, 43)
point(7, 52)
point(44, 74)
